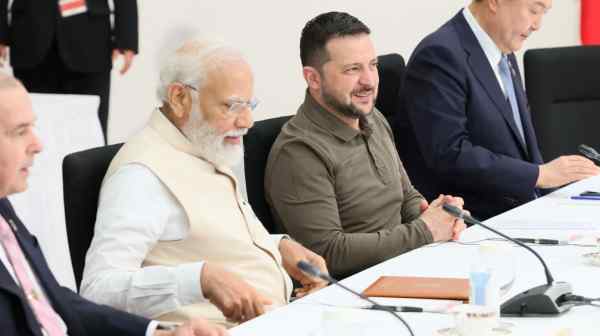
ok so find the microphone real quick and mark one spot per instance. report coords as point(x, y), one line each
point(589, 152)
point(315, 272)
point(547, 299)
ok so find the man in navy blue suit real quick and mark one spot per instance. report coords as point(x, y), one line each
point(31, 301)
point(467, 112)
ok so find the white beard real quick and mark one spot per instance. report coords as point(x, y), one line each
point(209, 144)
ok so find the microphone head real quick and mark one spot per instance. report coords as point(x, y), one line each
point(309, 269)
point(589, 152)
point(454, 211)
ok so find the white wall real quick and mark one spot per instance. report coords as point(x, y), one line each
point(268, 32)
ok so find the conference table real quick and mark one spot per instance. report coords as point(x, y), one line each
point(554, 216)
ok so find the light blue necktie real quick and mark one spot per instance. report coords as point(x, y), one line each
point(505, 75)
point(509, 87)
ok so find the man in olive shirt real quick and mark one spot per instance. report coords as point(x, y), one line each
point(333, 179)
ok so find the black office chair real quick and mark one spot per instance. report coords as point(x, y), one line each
point(392, 70)
point(82, 177)
point(563, 88)
point(257, 145)
point(391, 77)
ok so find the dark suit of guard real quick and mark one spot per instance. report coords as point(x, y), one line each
point(52, 54)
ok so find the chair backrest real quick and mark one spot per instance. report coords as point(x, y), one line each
point(390, 101)
point(391, 77)
point(83, 173)
point(563, 88)
point(257, 145)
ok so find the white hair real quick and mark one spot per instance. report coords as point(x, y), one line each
point(187, 57)
point(208, 144)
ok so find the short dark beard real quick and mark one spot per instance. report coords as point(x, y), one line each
point(348, 110)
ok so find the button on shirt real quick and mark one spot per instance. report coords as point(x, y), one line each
point(113, 272)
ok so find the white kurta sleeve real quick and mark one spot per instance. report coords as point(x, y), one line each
point(135, 211)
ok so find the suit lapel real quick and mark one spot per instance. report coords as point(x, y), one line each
point(528, 130)
point(42, 272)
point(10, 287)
point(7, 283)
point(38, 266)
point(482, 70)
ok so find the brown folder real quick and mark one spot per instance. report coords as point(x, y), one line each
point(420, 288)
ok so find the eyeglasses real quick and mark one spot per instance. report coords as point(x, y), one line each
point(234, 105)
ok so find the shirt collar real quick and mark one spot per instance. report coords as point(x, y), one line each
point(322, 117)
point(169, 132)
point(490, 49)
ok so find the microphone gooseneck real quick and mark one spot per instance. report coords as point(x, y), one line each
point(589, 152)
point(548, 299)
point(313, 271)
point(458, 213)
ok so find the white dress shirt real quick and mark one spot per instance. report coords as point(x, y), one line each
point(39, 289)
point(490, 49)
point(135, 211)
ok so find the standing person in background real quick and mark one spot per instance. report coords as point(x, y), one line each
point(68, 46)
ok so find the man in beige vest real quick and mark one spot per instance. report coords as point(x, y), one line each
point(32, 302)
point(174, 238)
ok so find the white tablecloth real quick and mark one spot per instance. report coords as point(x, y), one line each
point(65, 124)
point(553, 216)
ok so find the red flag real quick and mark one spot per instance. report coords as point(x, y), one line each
point(590, 22)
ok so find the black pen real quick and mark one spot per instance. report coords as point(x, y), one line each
point(400, 309)
point(540, 241)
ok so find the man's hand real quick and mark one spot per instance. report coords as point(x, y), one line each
point(3, 54)
point(128, 56)
point(424, 205)
point(195, 327)
point(238, 301)
point(291, 253)
point(442, 225)
point(459, 227)
point(564, 170)
point(459, 224)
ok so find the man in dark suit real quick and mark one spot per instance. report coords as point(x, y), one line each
point(66, 46)
point(467, 112)
point(31, 301)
